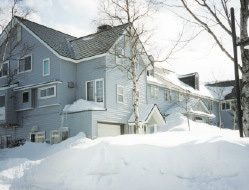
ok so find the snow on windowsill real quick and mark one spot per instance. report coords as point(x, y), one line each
point(83, 105)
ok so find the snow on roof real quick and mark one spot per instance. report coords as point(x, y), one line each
point(82, 105)
point(191, 103)
point(220, 92)
point(144, 111)
point(152, 79)
point(172, 77)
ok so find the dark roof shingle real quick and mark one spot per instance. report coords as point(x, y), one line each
point(72, 47)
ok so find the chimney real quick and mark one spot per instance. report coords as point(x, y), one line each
point(103, 28)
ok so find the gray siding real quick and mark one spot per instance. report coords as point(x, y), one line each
point(88, 71)
point(78, 122)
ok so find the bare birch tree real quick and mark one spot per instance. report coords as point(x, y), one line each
point(131, 52)
point(10, 46)
point(214, 18)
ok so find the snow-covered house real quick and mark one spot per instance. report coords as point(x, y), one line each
point(178, 93)
point(63, 87)
point(225, 93)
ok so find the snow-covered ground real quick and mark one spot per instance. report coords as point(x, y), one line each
point(203, 158)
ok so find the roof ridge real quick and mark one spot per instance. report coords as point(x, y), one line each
point(23, 19)
point(98, 32)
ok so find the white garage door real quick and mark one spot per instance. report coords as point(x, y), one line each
point(105, 130)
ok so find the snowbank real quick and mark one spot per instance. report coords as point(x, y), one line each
point(83, 105)
point(203, 158)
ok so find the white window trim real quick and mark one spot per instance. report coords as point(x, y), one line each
point(51, 135)
point(24, 58)
point(18, 33)
point(153, 95)
point(46, 97)
point(7, 70)
point(165, 92)
point(120, 94)
point(95, 90)
point(225, 103)
point(22, 97)
point(43, 61)
point(38, 133)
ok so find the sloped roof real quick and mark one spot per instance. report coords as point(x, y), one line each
point(96, 44)
point(72, 47)
point(195, 107)
point(227, 86)
point(145, 112)
point(53, 38)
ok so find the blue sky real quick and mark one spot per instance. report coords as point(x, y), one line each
point(76, 17)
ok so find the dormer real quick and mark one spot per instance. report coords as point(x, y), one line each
point(191, 79)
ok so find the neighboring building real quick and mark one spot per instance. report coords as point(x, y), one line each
point(63, 87)
point(225, 93)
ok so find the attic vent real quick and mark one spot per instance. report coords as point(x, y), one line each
point(103, 28)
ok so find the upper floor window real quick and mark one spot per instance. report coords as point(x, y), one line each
point(25, 97)
point(120, 94)
point(210, 105)
point(2, 101)
point(225, 106)
point(154, 91)
point(18, 33)
point(167, 95)
point(95, 90)
point(89, 91)
point(5, 69)
point(46, 67)
point(25, 64)
point(47, 92)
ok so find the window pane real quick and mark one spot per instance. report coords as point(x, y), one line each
point(27, 63)
point(2, 101)
point(21, 65)
point(50, 91)
point(90, 91)
point(223, 106)
point(25, 97)
point(99, 91)
point(5, 69)
point(43, 93)
point(120, 98)
point(46, 67)
point(120, 90)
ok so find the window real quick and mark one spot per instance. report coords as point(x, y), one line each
point(55, 137)
point(37, 137)
point(25, 97)
point(89, 91)
point(95, 92)
point(5, 69)
point(18, 33)
point(210, 105)
point(46, 67)
point(154, 91)
point(167, 95)
point(149, 72)
point(2, 101)
point(120, 94)
point(25, 64)
point(99, 90)
point(225, 106)
point(47, 92)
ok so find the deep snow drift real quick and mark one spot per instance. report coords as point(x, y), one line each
point(203, 158)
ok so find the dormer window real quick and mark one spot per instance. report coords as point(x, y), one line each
point(18, 33)
point(25, 64)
